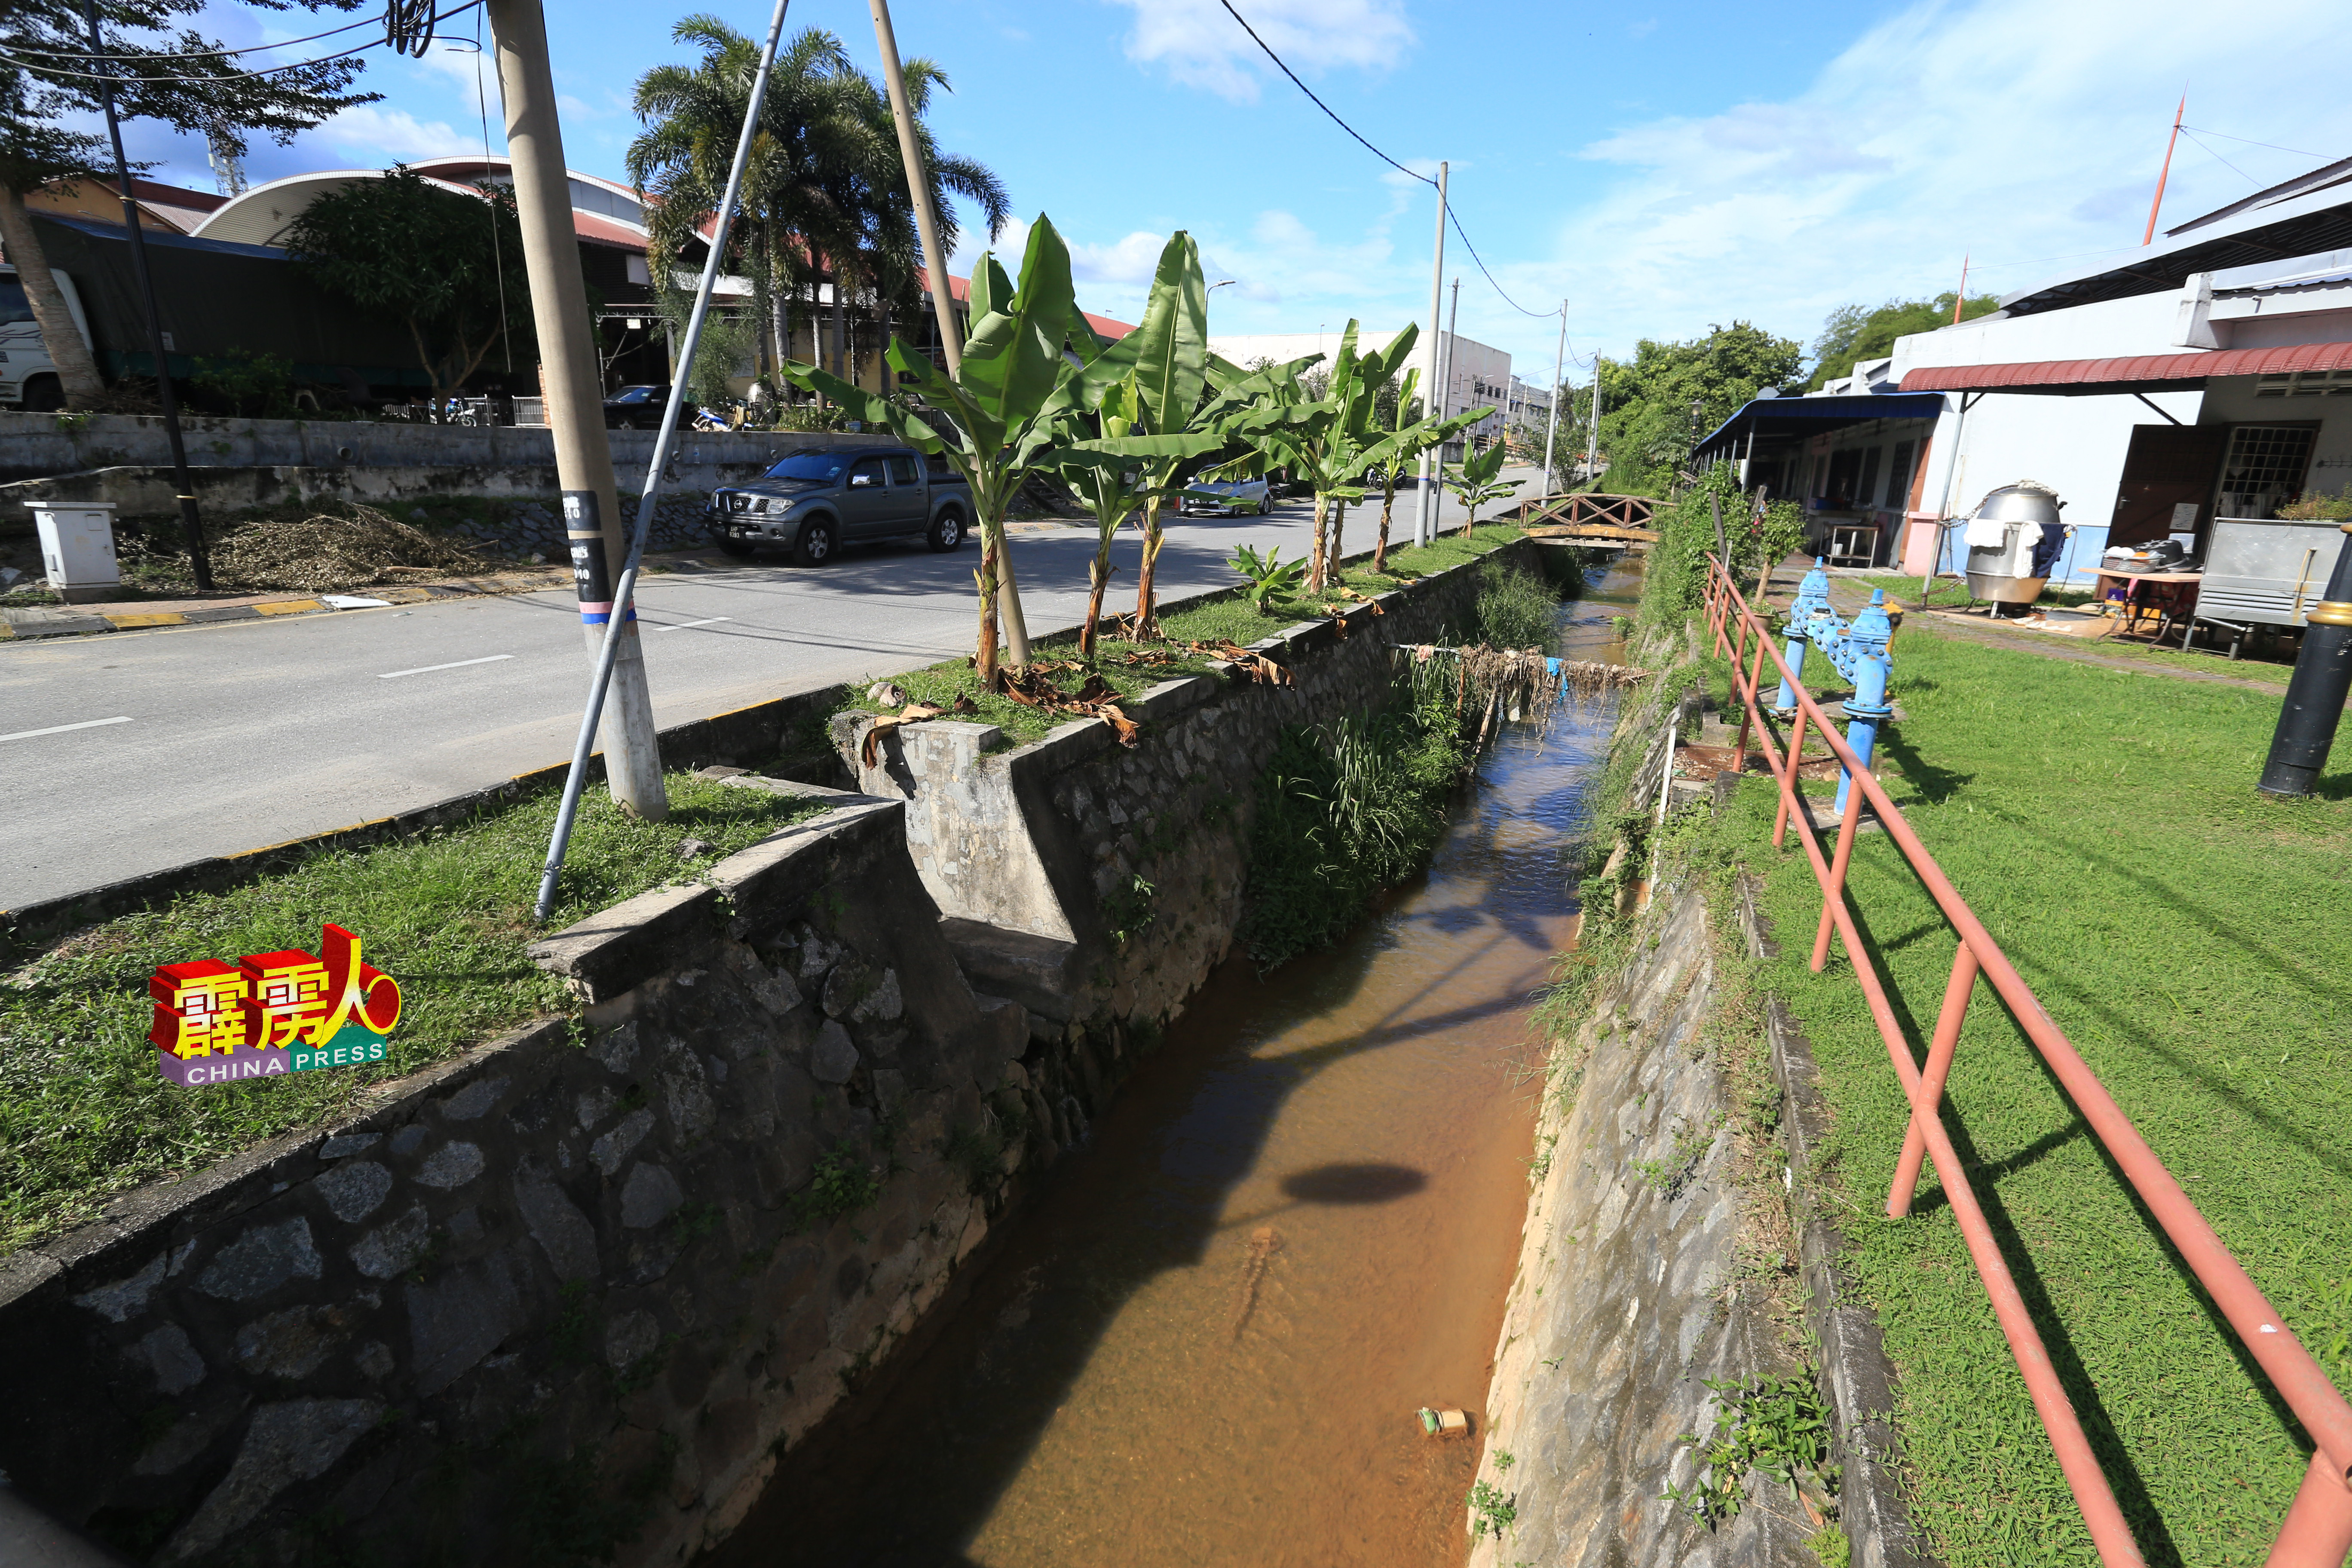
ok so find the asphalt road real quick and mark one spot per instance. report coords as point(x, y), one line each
point(133, 752)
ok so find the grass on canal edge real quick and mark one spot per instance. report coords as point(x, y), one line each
point(83, 1113)
point(2194, 941)
point(1226, 617)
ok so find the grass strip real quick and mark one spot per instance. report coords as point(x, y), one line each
point(1226, 617)
point(1952, 595)
point(2193, 939)
point(83, 1114)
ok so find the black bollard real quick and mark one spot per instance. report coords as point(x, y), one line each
point(2315, 697)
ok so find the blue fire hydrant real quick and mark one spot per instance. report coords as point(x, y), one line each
point(1860, 656)
point(1813, 599)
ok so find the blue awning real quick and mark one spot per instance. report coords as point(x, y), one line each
point(1813, 415)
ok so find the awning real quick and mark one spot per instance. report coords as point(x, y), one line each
point(2138, 372)
point(1814, 415)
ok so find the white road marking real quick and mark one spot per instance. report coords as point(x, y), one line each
point(429, 668)
point(61, 728)
point(690, 625)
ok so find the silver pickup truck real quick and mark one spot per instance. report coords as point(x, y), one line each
point(821, 498)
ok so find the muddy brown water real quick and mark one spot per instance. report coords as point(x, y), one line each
point(1205, 1340)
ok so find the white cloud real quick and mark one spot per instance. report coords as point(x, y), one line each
point(2018, 133)
point(372, 136)
point(1201, 45)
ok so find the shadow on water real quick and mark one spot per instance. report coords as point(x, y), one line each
point(1205, 1338)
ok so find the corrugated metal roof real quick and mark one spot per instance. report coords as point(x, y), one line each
point(2136, 372)
point(2291, 284)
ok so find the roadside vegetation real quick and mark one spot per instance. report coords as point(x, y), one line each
point(83, 1114)
point(2192, 940)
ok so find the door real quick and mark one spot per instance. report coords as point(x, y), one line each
point(2168, 482)
point(909, 500)
point(865, 499)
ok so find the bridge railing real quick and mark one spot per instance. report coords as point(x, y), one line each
point(1581, 508)
point(2318, 1530)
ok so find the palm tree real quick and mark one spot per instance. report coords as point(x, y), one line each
point(826, 191)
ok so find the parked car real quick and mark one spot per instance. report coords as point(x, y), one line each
point(1233, 497)
point(640, 408)
point(820, 497)
point(28, 377)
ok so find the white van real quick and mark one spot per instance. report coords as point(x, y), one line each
point(29, 377)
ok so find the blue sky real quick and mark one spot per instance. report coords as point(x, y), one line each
point(1661, 167)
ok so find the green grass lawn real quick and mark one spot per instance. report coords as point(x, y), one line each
point(83, 1113)
point(2194, 941)
point(1223, 617)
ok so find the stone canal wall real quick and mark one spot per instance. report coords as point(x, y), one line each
point(559, 1295)
point(1097, 885)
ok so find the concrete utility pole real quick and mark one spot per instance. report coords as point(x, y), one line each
point(1559, 364)
point(1593, 432)
point(1444, 407)
point(919, 187)
point(1424, 513)
point(575, 397)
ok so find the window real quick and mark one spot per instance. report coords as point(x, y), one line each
point(903, 470)
point(866, 474)
point(14, 307)
point(1867, 486)
point(1898, 477)
point(817, 467)
point(2263, 470)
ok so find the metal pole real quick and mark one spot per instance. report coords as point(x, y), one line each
point(2315, 695)
point(1559, 365)
point(572, 380)
point(919, 187)
point(1593, 431)
point(619, 628)
point(200, 566)
point(1944, 506)
point(1424, 523)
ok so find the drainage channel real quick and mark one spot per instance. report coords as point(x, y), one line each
point(1206, 1340)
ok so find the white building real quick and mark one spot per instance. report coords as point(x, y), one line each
point(1477, 375)
point(2208, 375)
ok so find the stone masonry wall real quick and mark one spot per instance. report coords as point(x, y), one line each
point(555, 1296)
point(1097, 885)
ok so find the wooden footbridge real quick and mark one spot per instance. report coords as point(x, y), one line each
point(1582, 518)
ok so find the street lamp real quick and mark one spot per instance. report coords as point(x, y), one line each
point(1222, 283)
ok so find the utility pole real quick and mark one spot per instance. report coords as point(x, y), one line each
point(1592, 432)
point(1444, 407)
point(200, 566)
point(1559, 364)
point(918, 187)
point(1424, 513)
point(575, 400)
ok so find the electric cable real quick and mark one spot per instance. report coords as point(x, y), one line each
point(204, 53)
point(1383, 157)
point(265, 71)
point(2298, 151)
point(2217, 158)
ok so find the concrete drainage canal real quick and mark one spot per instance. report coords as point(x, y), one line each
point(1207, 1340)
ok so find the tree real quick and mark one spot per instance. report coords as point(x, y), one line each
point(438, 263)
point(1116, 476)
point(1852, 334)
point(825, 189)
point(1655, 406)
point(47, 75)
point(997, 422)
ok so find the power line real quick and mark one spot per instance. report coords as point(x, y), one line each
point(2217, 158)
point(2249, 141)
point(204, 53)
point(1383, 157)
point(265, 70)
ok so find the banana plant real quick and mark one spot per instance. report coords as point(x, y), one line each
point(1115, 476)
point(1406, 391)
point(997, 423)
point(1475, 483)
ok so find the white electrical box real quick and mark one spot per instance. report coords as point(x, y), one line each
point(77, 548)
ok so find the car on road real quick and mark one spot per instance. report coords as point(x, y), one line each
point(1232, 498)
point(820, 497)
point(640, 408)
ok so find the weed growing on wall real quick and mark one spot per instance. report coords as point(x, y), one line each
point(1774, 1425)
point(1517, 609)
point(1345, 810)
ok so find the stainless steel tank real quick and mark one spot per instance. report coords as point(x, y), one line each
point(2002, 571)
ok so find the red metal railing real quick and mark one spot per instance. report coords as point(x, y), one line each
point(2317, 1530)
